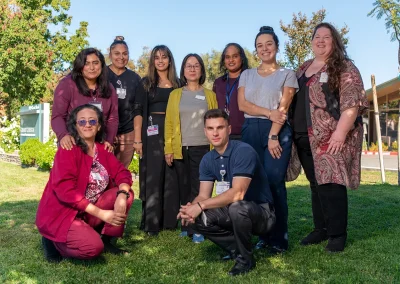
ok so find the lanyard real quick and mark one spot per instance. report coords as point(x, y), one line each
point(229, 90)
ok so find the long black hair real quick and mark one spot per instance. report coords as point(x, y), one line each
point(71, 126)
point(103, 86)
point(243, 57)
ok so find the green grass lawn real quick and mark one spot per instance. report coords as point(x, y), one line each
point(372, 254)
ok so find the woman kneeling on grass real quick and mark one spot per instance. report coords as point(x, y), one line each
point(88, 196)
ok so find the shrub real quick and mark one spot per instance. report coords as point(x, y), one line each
point(35, 153)
point(29, 151)
point(395, 146)
point(9, 134)
point(374, 147)
point(134, 165)
point(45, 156)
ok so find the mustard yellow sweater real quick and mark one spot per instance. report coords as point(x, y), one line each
point(172, 135)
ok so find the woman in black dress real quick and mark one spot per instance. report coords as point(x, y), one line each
point(160, 198)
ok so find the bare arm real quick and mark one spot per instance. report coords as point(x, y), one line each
point(189, 212)
point(273, 145)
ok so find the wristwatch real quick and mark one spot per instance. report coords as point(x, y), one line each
point(273, 137)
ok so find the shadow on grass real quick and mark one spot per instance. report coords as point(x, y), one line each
point(373, 212)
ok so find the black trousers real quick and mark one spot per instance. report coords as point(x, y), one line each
point(232, 227)
point(329, 201)
point(187, 170)
point(162, 197)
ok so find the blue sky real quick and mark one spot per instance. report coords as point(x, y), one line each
point(200, 26)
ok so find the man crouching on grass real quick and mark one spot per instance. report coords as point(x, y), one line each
point(243, 205)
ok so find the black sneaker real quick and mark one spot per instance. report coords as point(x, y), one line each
point(274, 250)
point(336, 244)
point(50, 252)
point(240, 268)
point(315, 237)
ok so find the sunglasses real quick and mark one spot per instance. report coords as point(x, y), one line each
point(83, 122)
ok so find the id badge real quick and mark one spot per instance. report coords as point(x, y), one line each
point(200, 97)
point(121, 93)
point(323, 78)
point(97, 104)
point(222, 186)
point(152, 130)
point(96, 176)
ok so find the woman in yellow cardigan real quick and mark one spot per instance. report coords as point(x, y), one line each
point(185, 141)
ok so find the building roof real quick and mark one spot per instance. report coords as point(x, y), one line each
point(390, 87)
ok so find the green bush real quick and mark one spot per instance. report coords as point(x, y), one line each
point(374, 147)
point(35, 153)
point(9, 134)
point(134, 166)
point(29, 151)
point(395, 146)
point(45, 157)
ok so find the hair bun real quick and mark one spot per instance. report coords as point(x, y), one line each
point(266, 29)
point(119, 38)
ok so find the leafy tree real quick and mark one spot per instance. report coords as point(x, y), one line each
point(298, 47)
point(30, 53)
point(391, 10)
point(142, 64)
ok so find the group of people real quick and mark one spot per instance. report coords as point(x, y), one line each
point(246, 137)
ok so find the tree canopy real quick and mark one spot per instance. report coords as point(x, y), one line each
point(35, 46)
point(391, 10)
point(298, 48)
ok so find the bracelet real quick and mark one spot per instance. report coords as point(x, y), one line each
point(137, 142)
point(124, 192)
point(198, 203)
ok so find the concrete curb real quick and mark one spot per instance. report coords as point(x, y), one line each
point(376, 153)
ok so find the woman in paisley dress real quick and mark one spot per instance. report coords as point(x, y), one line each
point(326, 120)
point(88, 196)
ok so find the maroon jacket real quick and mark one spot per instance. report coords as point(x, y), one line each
point(67, 97)
point(64, 195)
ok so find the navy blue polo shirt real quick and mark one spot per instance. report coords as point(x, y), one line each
point(238, 160)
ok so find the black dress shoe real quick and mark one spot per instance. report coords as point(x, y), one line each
point(315, 237)
point(274, 250)
point(109, 247)
point(336, 244)
point(50, 252)
point(240, 268)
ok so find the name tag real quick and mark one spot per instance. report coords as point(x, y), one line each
point(121, 93)
point(222, 186)
point(152, 130)
point(97, 104)
point(323, 78)
point(200, 97)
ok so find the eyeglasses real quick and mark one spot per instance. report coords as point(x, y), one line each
point(189, 67)
point(83, 122)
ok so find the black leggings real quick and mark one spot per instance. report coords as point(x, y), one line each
point(329, 201)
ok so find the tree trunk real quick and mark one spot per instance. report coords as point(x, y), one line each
point(398, 54)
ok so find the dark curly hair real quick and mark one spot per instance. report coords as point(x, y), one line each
point(103, 86)
point(337, 59)
point(243, 57)
point(71, 126)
